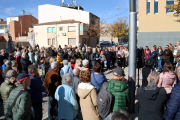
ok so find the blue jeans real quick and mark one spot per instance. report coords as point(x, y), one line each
point(108, 63)
point(37, 110)
point(51, 107)
point(160, 65)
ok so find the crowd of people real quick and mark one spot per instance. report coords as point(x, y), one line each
point(73, 80)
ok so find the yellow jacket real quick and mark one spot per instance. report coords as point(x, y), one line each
point(60, 61)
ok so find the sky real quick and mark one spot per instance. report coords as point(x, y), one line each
point(105, 9)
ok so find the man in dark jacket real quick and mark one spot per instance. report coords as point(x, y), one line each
point(36, 89)
point(25, 63)
point(167, 54)
point(65, 55)
point(153, 55)
point(151, 99)
point(173, 107)
point(22, 108)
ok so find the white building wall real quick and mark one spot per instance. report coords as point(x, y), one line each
point(50, 13)
point(9, 19)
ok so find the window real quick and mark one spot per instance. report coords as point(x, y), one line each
point(1, 27)
point(49, 30)
point(53, 41)
point(71, 28)
point(61, 29)
point(49, 41)
point(148, 6)
point(155, 6)
point(53, 30)
point(85, 30)
point(81, 28)
point(72, 41)
point(168, 2)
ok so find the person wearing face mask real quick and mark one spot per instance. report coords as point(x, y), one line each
point(36, 88)
point(8, 85)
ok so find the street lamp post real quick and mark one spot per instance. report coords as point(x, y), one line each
point(132, 50)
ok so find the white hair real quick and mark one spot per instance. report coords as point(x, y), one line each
point(66, 77)
point(85, 62)
point(76, 71)
point(7, 62)
point(54, 64)
point(13, 63)
point(65, 62)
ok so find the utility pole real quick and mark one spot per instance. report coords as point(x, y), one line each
point(132, 50)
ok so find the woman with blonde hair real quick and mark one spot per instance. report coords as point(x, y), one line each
point(78, 63)
point(88, 97)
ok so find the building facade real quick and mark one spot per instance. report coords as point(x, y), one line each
point(156, 24)
point(65, 32)
point(13, 25)
point(52, 13)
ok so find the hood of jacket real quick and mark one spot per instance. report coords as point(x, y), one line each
point(169, 75)
point(117, 86)
point(151, 92)
point(84, 90)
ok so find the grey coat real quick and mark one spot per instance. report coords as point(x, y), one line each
point(75, 82)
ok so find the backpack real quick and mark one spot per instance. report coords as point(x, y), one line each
point(104, 100)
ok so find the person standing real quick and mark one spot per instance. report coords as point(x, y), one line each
point(25, 63)
point(2, 57)
point(167, 54)
point(117, 86)
point(51, 81)
point(146, 51)
point(173, 107)
point(160, 58)
point(18, 59)
point(108, 57)
point(31, 56)
point(36, 89)
point(152, 55)
point(82, 52)
point(8, 66)
point(22, 108)
point(94, 57)
point(88, 97)
point(67, 103)
point(8, 85)
point(152, 99)
point(167, 78)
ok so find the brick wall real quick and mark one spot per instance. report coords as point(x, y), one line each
point(15, 26)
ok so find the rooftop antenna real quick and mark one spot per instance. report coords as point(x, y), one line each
point(62, 2)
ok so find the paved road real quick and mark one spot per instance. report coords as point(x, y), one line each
point(108, 75)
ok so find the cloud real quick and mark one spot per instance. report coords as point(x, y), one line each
point(9, 10)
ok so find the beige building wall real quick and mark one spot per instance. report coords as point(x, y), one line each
point(160, 22)
point(61, 37)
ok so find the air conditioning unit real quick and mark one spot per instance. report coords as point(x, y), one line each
point(63, 34)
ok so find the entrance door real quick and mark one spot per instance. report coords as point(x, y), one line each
point(83, 41)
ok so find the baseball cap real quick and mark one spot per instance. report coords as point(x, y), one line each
point(118, 72)
point(21, 77)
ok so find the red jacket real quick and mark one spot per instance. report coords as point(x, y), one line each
point(146, 56)
point(18, 58)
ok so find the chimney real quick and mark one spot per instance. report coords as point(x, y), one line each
point(1, 20)
point(23, 12)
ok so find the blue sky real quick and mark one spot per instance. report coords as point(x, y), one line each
point(105, 9)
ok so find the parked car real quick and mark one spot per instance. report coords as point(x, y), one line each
point(105, 43)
